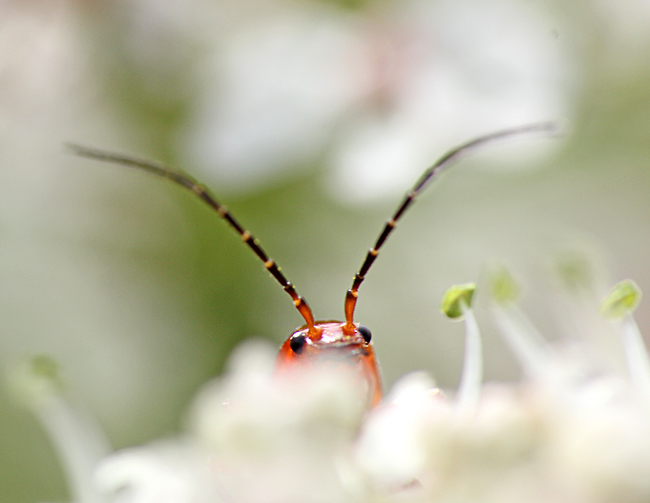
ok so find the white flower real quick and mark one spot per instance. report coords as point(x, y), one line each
point(174, 471)
point(376, 92)
point(79, 442)
point(279, 439)
point(566, 433)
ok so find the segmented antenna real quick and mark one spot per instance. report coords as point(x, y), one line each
point(454, 155)
point(203, 193)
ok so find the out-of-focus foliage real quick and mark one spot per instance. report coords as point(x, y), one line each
point(309, 118)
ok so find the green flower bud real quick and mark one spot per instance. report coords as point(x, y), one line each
point(503, 286)
point(621, 300)
point(35, 378)
point(457, 299)
point(575, 271)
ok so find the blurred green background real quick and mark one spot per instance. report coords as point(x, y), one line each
point(309, 119)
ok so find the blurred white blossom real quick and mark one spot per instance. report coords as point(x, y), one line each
point(78, 440)
point(572, 434)
point(380, 91)
point(173, 471)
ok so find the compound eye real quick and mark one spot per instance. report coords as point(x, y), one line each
point(297, 343)
point(365, 333)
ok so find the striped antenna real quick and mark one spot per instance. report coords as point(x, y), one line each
point(451, 157)
point(204, 194)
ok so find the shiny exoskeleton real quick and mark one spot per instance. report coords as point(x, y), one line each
point(336, 348)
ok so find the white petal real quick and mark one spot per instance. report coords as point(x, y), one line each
point(167, 472)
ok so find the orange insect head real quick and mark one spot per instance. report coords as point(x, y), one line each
point(329, 345)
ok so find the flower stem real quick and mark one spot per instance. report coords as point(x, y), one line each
point(472, 377)
point(524, 340)
point(636, 357)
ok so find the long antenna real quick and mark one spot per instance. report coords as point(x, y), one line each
point(454, 155)
point(204, 194)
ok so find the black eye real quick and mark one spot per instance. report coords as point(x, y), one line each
point(365, 333)
point(297, 343)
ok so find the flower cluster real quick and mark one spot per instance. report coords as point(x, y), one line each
point(568, 432)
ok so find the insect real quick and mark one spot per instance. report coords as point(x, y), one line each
point(342, 341)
